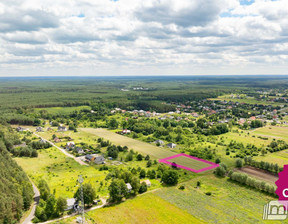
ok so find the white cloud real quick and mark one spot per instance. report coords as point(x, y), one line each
point(130, 37)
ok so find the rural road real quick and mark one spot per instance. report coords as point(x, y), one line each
point(36, 198)
point(78, 160)
point(69, 216)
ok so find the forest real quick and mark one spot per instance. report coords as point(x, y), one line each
point(15, 187)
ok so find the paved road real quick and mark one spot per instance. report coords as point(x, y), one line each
point(36, 198)
point(78, 160)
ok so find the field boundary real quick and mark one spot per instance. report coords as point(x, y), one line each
point(166, 161)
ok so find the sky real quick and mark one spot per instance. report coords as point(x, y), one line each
point(136, 37)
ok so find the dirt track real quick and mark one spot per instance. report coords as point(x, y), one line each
point(259, 174)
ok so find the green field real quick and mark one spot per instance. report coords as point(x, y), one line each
point(60, 172)
point(229, 202)
point(190, 163)
point(273, 132)
point(63, 110)
point(141, 147)
point(147, 208)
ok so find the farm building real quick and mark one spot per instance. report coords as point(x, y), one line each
point(148, 183)
point(160, 142)
point(70, 203)
point(62, 128)
point(57, 140)
point(125, 131)
point(171, 145)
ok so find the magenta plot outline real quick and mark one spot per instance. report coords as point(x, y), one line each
point(165, 160)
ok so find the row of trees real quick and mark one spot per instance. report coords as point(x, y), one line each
point(271, 167)
point(244, 179)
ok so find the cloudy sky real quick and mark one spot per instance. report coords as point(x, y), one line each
point(136, 37)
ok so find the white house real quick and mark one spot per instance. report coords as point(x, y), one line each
point(129, 187)
point(171, 145)
point(70, 203)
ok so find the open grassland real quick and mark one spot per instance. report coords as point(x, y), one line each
point(273, 132)
point(229, 202)
point(63, 110)
point(61, 172)
point(189, 162)
point(141, 147)
point(281, 158)
point(246, 138)
point(147, 208)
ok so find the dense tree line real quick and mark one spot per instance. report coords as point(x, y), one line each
point(16, 192)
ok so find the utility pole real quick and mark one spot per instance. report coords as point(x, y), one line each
point(81, 205)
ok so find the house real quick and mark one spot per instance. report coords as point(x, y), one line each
point(129, 187)
point(20, 129)
point(39, 129)
point(89, 157)
point(148, 183)
point(99, 159)
point(70, 204)
point(79, 150)
point(159, 142)
point(62, 128)
point(171, 145)
point(70, 145)
point(57, 140)
point(49, 129)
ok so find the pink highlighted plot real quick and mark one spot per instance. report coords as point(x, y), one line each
point(190, 163)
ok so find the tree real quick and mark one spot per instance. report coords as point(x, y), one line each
point(113, 123)
point(44, 189)
point(170, 177)
point(139, 157)
point(147, 158)
point(217, 161)
point(220, 171)
point(239, 163)
point(50, 206)
point(142, 173)
point(89, 194)
point(143, 188)
point(149, 163)
point(117, 190)
point(135, 184)
point(60, 205)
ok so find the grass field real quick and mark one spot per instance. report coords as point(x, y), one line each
point(147, 208)
point(61, 172)
point(273, 132)
point(63, 110)
point(229, 202)
point(190, 163)
point(141, 147)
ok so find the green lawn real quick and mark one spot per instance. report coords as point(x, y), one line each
point(190, 163)
point(61, 172)
point(147, 208)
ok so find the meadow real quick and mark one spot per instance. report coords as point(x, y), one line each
point(190, 163)
point(147, 208)
point(141, 147)
point(63, 110)
point(229, 202)
point(61, 172)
